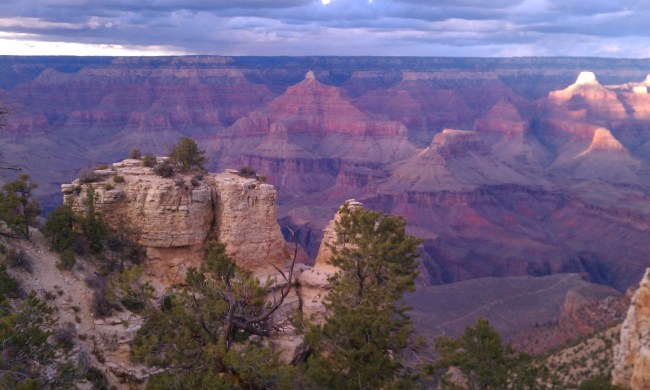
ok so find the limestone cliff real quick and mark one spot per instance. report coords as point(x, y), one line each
point(632, 355)
point(174, 217)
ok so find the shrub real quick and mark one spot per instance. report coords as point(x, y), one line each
point(19, 259)
point(97, 378)
point(67, 260)
point(149, 160)
point(186, 156)
point(135, 154)
point(102, 307)
point(246, 171)
point(117, 179)
point(195, 183)
point(164, 170)
point(102, 166)
point(64, 337)
point(109, 187)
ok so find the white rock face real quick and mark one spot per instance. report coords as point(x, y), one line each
point(586, 78)
point(173, 218)
point(632, 355)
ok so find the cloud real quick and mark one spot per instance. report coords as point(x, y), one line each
point(341, 27)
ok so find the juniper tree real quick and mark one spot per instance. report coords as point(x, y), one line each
point(367, 333)
point(484, 361)
point(17, 207)
point(186, 156)
point(59, 228)
point(210, 333)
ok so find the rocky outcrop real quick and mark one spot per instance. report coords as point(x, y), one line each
point(174, 217)
point(314, 283)
point(632, 355)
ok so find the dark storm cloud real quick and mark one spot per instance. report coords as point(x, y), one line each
point(377, 27)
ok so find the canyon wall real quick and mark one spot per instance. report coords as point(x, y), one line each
point(505, 167)
point(632, 355)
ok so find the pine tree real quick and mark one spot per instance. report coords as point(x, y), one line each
point(364, 340)
point(92, 225)
point(207, 335)
point(186, 156)
point(484, 361)
point(17, 207)
point(59, 228)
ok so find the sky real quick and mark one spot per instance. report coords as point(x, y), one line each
point(459, 28)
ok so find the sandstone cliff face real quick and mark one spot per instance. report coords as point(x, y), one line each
point(173, 217)
point(632, 355)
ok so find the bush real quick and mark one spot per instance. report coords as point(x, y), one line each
point(164, 170)
point(186, 156)
point(19, 259)
point(149, 160)
point(101, 306)
point(67, 260)
point(102, 166)
point(135, 154)
point(64, 337)
point(59, 228)
point(97, 378)
point(9, 286)
point(117, 179)
point(195, 183)
point(246, 171)
point(109, 187)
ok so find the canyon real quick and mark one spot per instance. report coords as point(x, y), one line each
point(531, 173)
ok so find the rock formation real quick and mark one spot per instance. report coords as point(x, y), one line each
point(314, 283)
point(632, 355)
point(174, 217)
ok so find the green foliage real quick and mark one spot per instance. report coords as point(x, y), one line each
point(92, 225)
point(125, 287)
point(598, 382)
point(17, 207)
point(59, 228)
point(24, 342)
point(165, 169)
point(186, 156)
point(118, 179)
point(364, 340)
point(18, 258)
point(8, 286)
point(204, 335)
point(149, 160)
point(32, 356)
point(67, 259)
point(246, 171)
point(484, 361)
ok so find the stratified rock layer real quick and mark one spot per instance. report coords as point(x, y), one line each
point(174, 217)
point(632, 355)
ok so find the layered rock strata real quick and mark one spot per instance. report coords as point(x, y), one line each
point(632, 355)
point(173, 218)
